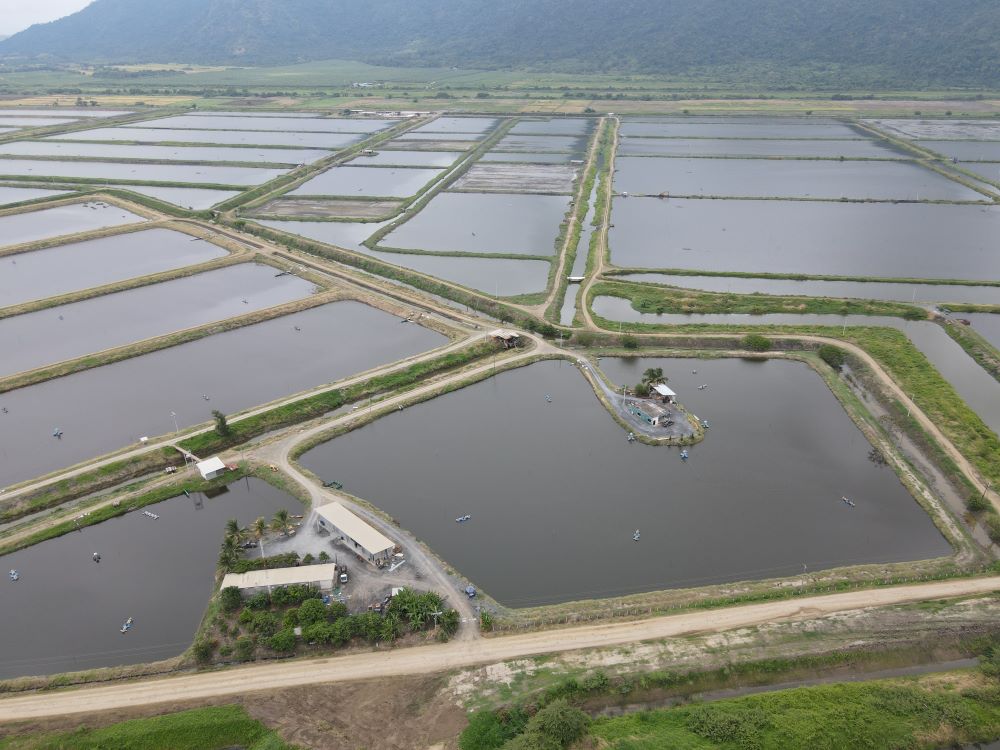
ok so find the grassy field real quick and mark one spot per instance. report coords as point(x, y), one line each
point(658, 299)
point(216, 728)
point(931, 712)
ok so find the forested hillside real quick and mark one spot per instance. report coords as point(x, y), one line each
point(907, 42)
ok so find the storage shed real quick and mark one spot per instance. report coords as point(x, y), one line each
point(211, 468)
point(321, 576)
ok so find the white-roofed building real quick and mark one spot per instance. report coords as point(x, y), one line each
point(664, 392)
point(360, 536)
point(211, 468)
point(323, 577)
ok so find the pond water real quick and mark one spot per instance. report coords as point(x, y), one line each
point(736, 127)
point(408, 159)
point(554, 126)
point(919, 293)
point(236, 370)
point(9, 195)
point(68, 112)
point(81, 265)
point(966, 150)
point(221, 137)
point(526, 158)
point(849, 239)
point(558, 526)
point(111, 171)
point(194, 199)
point(988, 171)
point(34, 122)
point(977, 130)
point(484, 223)
point(390, 182)
point(282, 124)
point(65, 612)
point(163, 153)
point(458, 125)
point(72, 218)
point(92, 325)
point(976, 386)
point(750, 148)
point(542, 143)
point(796, 178)
point(986, 324)
point(500, 276)
point(414, 135)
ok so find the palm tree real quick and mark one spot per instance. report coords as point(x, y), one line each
point(229, 552)
point(259, 528)
point(281, 521)
point(233, 530)
point(653, 375)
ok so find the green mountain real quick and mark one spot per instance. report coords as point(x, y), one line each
point(912, 42)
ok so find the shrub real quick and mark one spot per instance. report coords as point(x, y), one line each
point(283, 641)
point(324, 557)
point(259, 601)
point(245, 616)
point(291, 618)
point(641, 389)
point(630, 342)
point(368, 625)
point(914, 314)
point(756, 343)
point(559, 721)
point(311, 612)
point(993, 527)
point(226, 650)
point(336, 610)
point(977, 503)
point(489, 730)
point(245, 648)
point(230, 599)
point(204, 650)
point(449, 622)
point(584, 338)
point(598, 681)
point(264, 624)
point(832, 355)
point(308, 559)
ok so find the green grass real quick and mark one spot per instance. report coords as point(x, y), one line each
point(213, 728)
point(879, 714)
point(660, 299)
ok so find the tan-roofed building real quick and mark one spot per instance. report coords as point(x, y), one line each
point(364, 539)
point(321, 576)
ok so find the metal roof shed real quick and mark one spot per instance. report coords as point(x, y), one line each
point(211, 468)
point(367, 541)
point(321, 576)
point(663, 390)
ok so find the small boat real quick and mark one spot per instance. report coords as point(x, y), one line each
point(631, 437)
point(463, 519)
point(635, 535)
point(703, 386)
point(96, 557)
point(57, 432)
point(470, 591)
point(848, 501)
point(14, 575)
point(684, 455)
point(548, 398)
point(150, 515)
point(704, 423)
point(335, 485)
point(126, 626)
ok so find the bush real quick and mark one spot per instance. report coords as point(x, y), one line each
point(629, 341)
point(584, 338)
point(308, 559)
point(324, 557)
point(559, 721)
point(832, 355)
point(641, 389)
point(264, 624)
point(230, 599)
point(489, 730)
point(245, 616)
point(977, 503)
point(336, 610)
point(204, 650)
point(294, 594)
point(283, 641)
point(993, 527)
point(756, 343)
point(312, 612)
point(259, 601)
point(245, 648)
point(598, 681)
point(291, 618)
point(915, 314)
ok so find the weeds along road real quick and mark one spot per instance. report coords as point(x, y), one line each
point(442, 657)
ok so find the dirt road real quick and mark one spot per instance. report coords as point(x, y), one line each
point(442, 657)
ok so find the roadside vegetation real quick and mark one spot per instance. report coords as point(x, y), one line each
point(658, 299)
point(214, 728)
